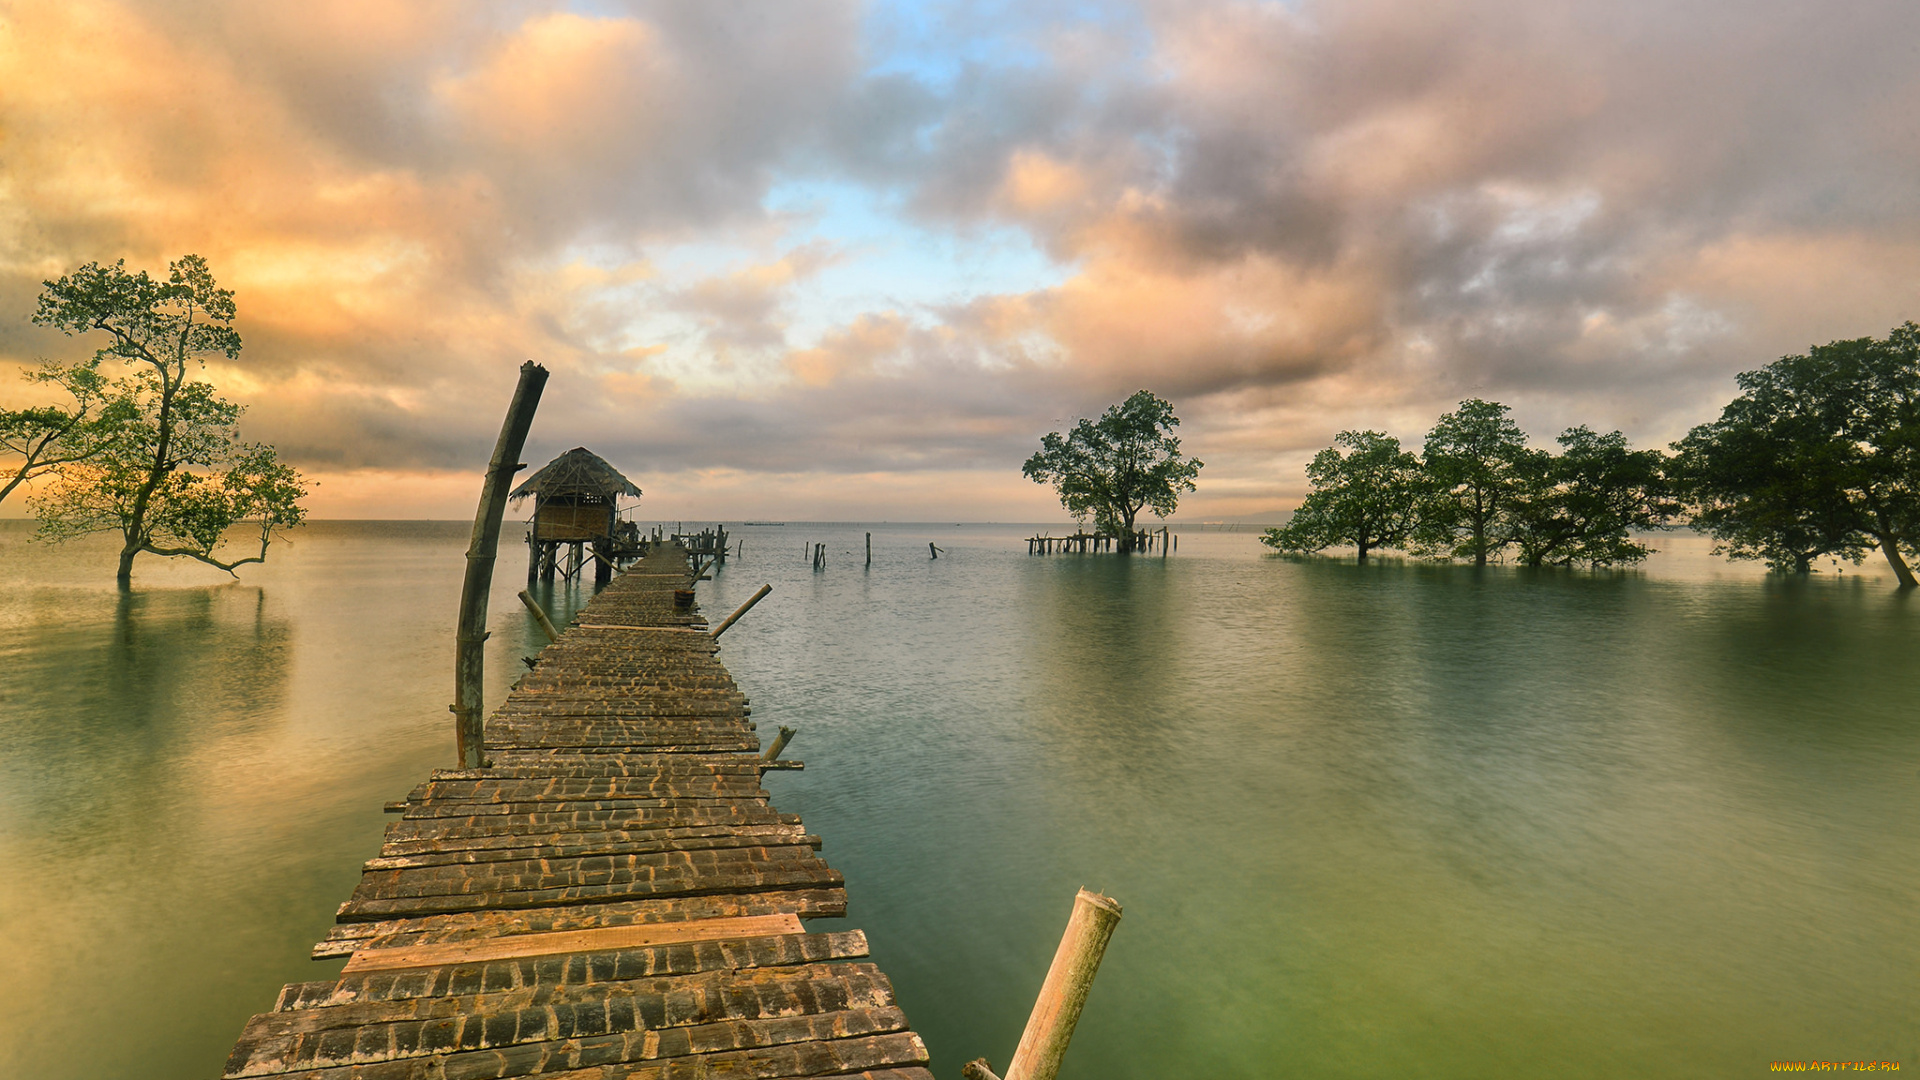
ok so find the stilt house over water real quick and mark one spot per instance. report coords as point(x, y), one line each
point(576, 502)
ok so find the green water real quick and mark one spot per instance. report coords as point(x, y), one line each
point(1366, 822)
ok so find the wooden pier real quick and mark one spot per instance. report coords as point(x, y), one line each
point(1082, 542)
point(613, 898)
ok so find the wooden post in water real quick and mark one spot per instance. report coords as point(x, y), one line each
point(539, 616)
point(469, 664)
point(869, 549)
point(1044, 1044)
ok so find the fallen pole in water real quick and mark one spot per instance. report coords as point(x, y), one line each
point(540, 616)
point(735, 617)
point(1043, 1045)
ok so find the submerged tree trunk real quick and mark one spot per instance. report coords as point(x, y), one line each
point(125, 574)
point(1890, 546)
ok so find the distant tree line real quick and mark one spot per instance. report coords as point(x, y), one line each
point(1818, 457)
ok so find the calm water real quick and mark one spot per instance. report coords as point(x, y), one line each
point(1367, 822)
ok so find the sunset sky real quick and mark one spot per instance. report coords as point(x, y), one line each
point(842, 261)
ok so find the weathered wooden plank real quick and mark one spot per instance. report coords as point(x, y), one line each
point(838, 1057)
point(619, 965)
point(562, 786)
point(750, 836)
point(305, 1039)
point(566, 941)
point(676, 884)
point(619, 742)
point(740, 812)
point(457, 1050)
point(637, 765)
point(344, 938)
point(472, 879)
point(477, 808)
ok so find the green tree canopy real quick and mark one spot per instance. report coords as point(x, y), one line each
point(1111, 469)
point(1584, 504)
point(1368, 497)
point(172, 474)
point(1473, 463)
point(1819, 455)
point(44, 439)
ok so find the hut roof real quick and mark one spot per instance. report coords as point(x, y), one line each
point(579, 471)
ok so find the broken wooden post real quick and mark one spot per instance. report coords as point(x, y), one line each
point(735, 617)
point(469, 663)
point(931, 550)
point(780, 742)
point(540, 616)
point(1044, 1043)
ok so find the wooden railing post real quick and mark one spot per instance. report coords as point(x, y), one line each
point(1044, 1043)
point(469, 664)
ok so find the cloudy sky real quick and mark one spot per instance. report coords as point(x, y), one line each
point(844, 261)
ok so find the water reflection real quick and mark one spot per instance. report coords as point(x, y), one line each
point(106, 694)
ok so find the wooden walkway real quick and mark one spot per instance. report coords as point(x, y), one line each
point(615, 898)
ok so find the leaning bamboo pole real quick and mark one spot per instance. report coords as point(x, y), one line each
point(469, 664)
point(539, 616)
point(1043, 1045)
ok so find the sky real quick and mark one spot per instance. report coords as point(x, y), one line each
point(845, 261)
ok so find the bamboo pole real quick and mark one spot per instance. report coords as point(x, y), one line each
point(469, 663)
point(539, 616)
point(780, 742)
point(1044, 1043)
point(735, 617)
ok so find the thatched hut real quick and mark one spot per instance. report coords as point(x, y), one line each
point(576, 501)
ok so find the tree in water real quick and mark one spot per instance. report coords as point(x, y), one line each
point(1112, 469)
point(1473, 461)
point(1818, 456)
point(1584, 504)
point(172, 475)
point(1368, 497)
point(42, 440)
